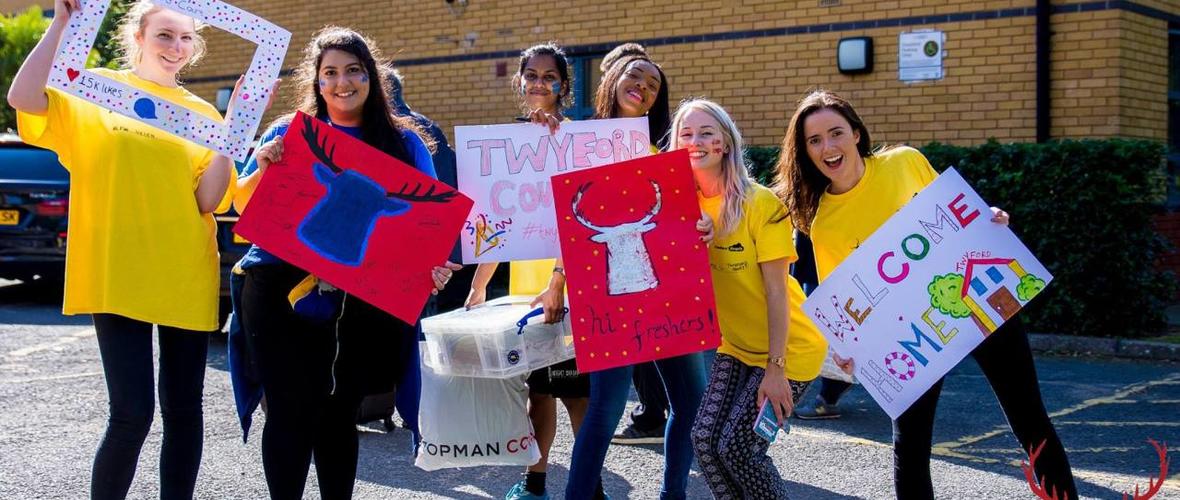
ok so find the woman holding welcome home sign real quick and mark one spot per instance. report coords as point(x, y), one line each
point(161, 267)
point(840, 191)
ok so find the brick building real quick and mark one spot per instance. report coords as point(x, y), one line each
point(1099, 68)
point(1104, 68)
point(1107, 72)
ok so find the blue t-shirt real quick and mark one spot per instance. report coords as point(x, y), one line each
point(417, 149)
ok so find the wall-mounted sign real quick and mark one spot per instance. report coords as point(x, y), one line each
point(919, 56)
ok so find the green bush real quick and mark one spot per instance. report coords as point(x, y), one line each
point(20, 32)
point(1084, 208)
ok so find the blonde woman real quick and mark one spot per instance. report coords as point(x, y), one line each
point(159, 267)
point(769, 353)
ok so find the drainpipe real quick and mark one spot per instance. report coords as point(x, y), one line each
point(1044, 9)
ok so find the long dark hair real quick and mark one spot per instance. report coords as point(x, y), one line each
point(798, 181)
point(606, 100)
point(379, 127)
point(563, 69)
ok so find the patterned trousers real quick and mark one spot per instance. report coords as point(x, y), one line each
point(733, 458)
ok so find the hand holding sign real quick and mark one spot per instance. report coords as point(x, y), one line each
point(356, 217)
point(230, 136)
point(63, 9)
point(640, 287)
point(506, 169)
point(923, 291)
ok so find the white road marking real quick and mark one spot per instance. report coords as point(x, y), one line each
point(51, 377)
point(63, 341)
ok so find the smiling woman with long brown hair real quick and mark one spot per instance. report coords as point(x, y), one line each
point(317, 362)
point(838, 189)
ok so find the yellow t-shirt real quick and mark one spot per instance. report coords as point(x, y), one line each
point(138, 245)
point(529, 277)
point(763, 235)
point(844, 221)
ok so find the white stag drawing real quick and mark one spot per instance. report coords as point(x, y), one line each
point(628, 264)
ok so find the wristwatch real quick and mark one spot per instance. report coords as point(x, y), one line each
point(777, 361)
point(559, 269)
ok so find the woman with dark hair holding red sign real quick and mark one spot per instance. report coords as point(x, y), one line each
point(635, 86)
point(319, 350)
point(840, 191)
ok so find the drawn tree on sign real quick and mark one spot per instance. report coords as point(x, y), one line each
point(1029, 287)
point(946, 295)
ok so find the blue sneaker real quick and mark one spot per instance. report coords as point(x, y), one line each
point(518, 492)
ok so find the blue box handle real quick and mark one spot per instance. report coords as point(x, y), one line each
point(535, 312)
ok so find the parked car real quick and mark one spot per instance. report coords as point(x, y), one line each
point(34, 202)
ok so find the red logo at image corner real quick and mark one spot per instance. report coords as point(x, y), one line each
point(72, 73)
point(1050, 493)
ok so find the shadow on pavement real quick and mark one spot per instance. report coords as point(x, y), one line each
point(35, 303)
point(387, 459)
point(800, 490)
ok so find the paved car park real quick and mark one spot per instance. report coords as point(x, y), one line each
point(52, 411)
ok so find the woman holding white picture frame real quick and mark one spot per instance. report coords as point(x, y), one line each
point(142, 250)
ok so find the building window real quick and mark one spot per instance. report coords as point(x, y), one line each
point(586, 77)
point(1174, 117)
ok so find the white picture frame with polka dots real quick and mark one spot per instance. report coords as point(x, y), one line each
point(231, 136)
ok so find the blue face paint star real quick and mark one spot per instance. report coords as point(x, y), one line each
point(556, 88)
point(364, 78)
point(323, 83)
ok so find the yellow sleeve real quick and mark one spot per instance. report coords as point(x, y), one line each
point(770, 227)
point(54, 129)
point(921, 166)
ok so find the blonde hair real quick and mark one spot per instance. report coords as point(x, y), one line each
point(132, 25)
point(735, 176)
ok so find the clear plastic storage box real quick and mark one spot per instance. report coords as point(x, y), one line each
point(499, 339)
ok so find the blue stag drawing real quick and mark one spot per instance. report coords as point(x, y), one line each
point(339, 226)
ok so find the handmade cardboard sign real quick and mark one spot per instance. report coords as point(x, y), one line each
point(232, 136)
point(926, 288)
point(638, 275)
point(506, 170)
point(354, 217)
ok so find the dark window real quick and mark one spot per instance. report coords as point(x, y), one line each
point(1174, 117)
point(586, 77)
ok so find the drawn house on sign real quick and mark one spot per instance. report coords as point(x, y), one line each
point(993, 281)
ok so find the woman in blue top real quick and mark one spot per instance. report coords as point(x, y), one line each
point(317, 363)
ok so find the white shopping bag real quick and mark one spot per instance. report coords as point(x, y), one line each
point(467, 421)
point(832, 371)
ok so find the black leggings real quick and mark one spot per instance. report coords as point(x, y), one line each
point(311, 408)
point(1007, 362)
point(652, 413)
point(126, 349)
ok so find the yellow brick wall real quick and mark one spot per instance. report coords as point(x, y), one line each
point(1109, 67)
point(1085, 74)
point(1143, 86)
point(11, 6)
